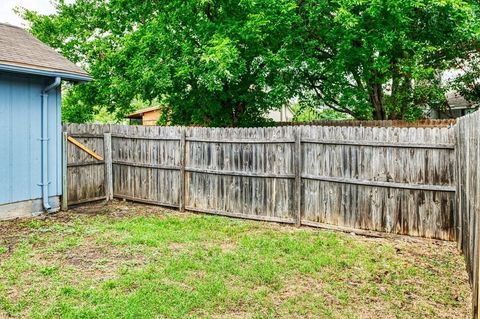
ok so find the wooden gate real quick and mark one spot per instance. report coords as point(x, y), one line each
point(87, 163)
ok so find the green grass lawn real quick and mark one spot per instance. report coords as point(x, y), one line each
point(132, 261)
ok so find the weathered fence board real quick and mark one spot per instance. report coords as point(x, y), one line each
point(468, 197)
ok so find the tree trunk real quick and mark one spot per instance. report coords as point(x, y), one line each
point(376, 98)
point(237, 114)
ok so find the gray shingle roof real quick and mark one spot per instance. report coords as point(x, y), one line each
point(456, 101)
point(20, 49)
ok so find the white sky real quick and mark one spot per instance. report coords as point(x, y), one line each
point(8, 16)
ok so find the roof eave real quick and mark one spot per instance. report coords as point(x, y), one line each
point(134, 116)
point(140, 113)
point(64, 75)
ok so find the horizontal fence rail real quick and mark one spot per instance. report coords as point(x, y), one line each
point(381, 144)
point(352, 181)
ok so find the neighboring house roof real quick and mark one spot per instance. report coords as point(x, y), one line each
point(139, 114)
point(456, 101)
point(22, 52)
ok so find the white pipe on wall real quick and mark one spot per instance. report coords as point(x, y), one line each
point(44, 139)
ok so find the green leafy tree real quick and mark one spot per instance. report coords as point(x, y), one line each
point(217, 63)
point(467, 83)
point(382, 59)
point(226, 63)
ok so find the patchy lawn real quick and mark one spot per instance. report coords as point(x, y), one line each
point(132, 261)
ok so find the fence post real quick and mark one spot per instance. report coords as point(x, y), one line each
point(183, 151)
point(65, 172)
point(458, 191)
point(476, 284)
point(297, 156)
point(107, 150)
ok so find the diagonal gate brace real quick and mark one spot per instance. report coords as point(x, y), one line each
point(84, 148)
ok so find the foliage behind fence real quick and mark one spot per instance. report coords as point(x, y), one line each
point(432, 123)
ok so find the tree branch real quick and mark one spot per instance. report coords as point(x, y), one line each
point(322, 97)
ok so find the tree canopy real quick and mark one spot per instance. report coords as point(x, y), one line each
point(383, 58)
point(226, 63)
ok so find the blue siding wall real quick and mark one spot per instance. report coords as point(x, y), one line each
point(20, 132)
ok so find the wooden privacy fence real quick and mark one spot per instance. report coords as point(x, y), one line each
point(468, 197)
point(394, 180)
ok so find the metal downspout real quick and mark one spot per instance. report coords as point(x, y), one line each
point(44, 139)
